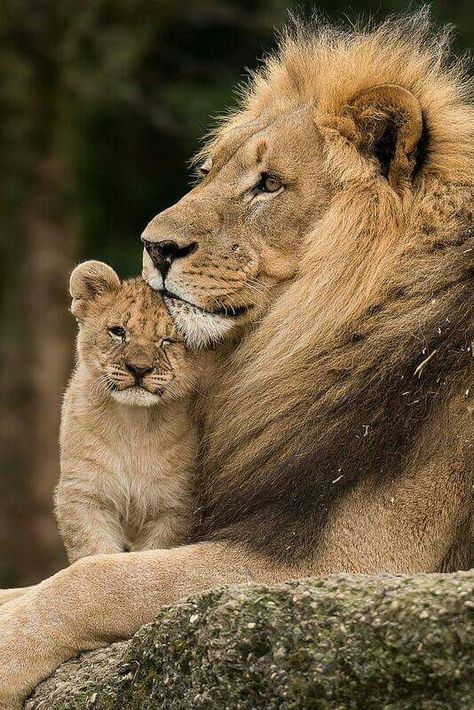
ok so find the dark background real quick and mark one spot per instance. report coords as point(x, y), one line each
point(102, 104)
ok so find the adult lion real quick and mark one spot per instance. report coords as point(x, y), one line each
point(330, 242)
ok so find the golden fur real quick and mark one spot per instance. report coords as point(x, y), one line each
point(127, 451)
point(339, 437)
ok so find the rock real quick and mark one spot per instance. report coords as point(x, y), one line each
point(343, 642)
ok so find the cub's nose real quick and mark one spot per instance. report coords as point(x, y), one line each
point(165, 252)
point(138, 371)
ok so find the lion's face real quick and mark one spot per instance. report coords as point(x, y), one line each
point(127, 339)
point(218, 254)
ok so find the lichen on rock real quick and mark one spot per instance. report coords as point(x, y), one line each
point(342, 642)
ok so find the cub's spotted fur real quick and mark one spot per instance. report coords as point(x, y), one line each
point(128, 443)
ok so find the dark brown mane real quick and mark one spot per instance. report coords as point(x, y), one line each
point(378, 399)
point(340, 379)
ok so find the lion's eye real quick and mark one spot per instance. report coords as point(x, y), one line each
point(116, 331)
point(166, 342)
point(205, 168)
point(269, 183)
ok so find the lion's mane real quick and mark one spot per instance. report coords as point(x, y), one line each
point(339, 379)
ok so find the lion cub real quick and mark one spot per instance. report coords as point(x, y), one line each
point(128, 442)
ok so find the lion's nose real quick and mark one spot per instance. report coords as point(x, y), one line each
point(165, 252)
point(139, 371)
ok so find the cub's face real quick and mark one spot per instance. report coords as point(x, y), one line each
point(127, 339)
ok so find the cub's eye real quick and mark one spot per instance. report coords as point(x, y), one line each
point(166, 342)
point(116, 331)
point(269, 183)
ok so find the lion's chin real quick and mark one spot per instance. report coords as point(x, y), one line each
point(199, 328)
point(136, 397)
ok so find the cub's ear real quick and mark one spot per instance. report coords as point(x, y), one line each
point(88, 280)
point(386, 123)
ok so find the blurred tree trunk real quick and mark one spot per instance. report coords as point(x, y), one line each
point(37, 251)
point(48, 262)
point(34, 372)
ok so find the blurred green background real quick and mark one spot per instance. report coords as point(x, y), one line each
point(102, 103)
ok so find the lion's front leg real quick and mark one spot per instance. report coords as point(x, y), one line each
point(105, 598)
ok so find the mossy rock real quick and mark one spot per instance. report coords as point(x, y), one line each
point(339, 643)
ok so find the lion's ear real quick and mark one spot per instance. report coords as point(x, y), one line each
point(386, 123)
point(88, 280)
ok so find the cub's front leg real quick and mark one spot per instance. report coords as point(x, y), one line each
point(88, 522)
point(170, 529)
